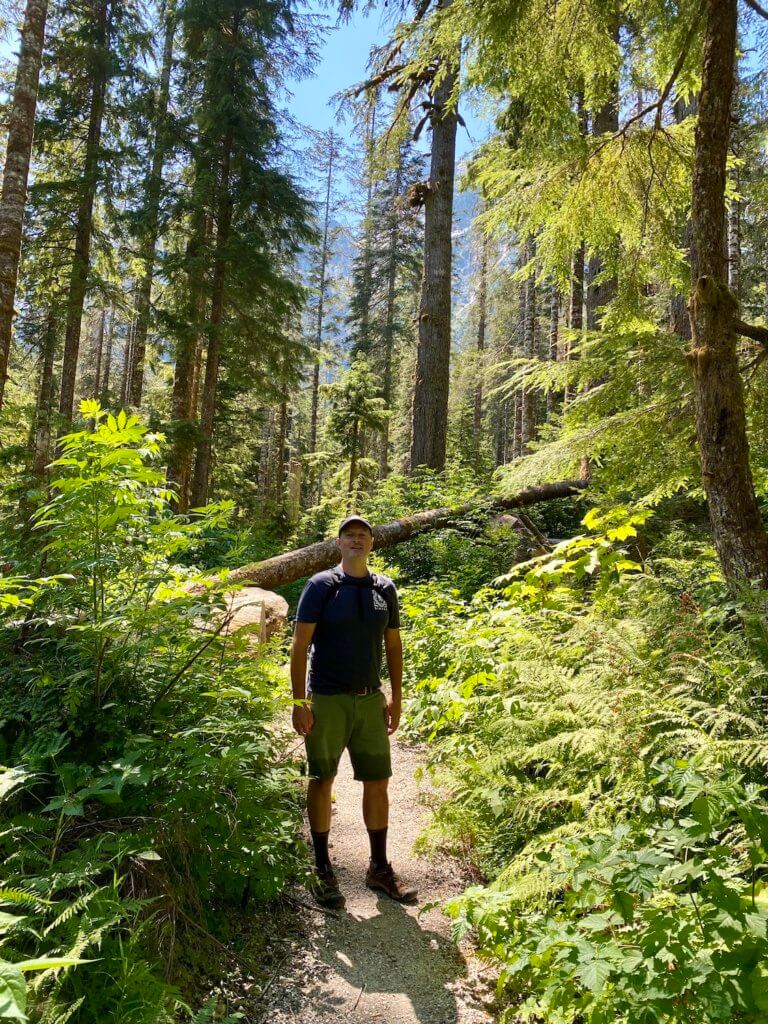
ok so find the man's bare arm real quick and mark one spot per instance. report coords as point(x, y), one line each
point(393, 648)
point(303, 719)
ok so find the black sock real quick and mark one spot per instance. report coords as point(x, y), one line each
point(320, 843)
point(378, 838)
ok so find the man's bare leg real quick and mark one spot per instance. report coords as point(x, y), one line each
point(376, 815)
point(326, 887)
point(319, 803)
point(376, 818)
point(376, 804)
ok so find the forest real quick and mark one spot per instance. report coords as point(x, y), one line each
point(513, 308)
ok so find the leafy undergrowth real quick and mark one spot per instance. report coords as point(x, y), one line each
point(143, 796)
point(600, 726)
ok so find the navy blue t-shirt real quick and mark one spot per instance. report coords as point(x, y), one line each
point(347, 643)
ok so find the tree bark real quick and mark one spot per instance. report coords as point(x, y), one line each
point(482, 296)
point(321, 302)
point(739, 535)
point(353, 463)
point(201, 478)
point(366, 288)
point(389, 326)
point(430, 397)
point(528, 396)
point(734, 240)
point(78, 281)
point(606, 121)
point(16, 171)
point(104, 392)
point(127, 358)
point(183, 405)
point(575, 310)
point(554, 325)
point(99, 352)
point(282, 453)
point(42, 433)
point(295, 565)
point(680, 320)
point(152, 190)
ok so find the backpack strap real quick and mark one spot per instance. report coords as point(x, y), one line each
point(338, 582)
point(331, 592)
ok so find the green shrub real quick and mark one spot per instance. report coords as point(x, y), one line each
point(143, 790)
point(599, 723)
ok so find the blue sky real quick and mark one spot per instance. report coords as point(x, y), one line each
point(343, 63)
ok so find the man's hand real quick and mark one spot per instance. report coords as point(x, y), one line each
point(303, 719)
point(392, 715)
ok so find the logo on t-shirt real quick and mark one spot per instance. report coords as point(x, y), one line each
point(378, 602)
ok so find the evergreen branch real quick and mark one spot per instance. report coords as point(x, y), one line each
point(658, 104)
point(753, 331)
point(757, 8)
point(376, 80)
point(419, 14)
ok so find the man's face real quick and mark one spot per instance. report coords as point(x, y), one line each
point(355, 541)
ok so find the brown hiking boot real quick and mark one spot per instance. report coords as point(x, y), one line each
point(325, 888)
point(385, 880)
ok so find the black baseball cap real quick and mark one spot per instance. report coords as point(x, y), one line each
point(354, 519)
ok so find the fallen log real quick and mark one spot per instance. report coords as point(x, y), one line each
point(295, 565)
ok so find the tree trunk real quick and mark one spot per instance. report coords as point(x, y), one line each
point(321, 302)
point(295, 565)
point(367, 275)
point(575, 309)
point(78, 281)
point(482, 293)
point(430, 397)
point(42, 433)
point(262, 485)
point(680, 320)
point(127, 359)
point(528, 396)
point(738, 531)
point(554, 324)
point(734, 240)
point(152, 189)
point(104, 392)
point(352, 463)
point(201, 478)
point(99, 353)
point(282, 453)
point(606, 121)
point(16, 171)
point(183, 405)
point(389, 327)
point(517, 426)
point(502, 432)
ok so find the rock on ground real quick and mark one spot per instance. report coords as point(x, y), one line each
point(259, 611)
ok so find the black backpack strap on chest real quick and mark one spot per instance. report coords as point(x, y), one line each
point(339, 581)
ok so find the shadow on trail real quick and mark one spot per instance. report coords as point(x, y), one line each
point(388, 955)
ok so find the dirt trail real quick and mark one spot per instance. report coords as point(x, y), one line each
point(378, 961)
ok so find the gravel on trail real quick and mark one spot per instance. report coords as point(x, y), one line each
point(376, 960)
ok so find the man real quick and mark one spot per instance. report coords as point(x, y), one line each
point(344, 614)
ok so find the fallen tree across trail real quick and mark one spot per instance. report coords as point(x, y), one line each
point(295, 565)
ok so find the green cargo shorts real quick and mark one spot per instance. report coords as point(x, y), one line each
point(351, 721)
